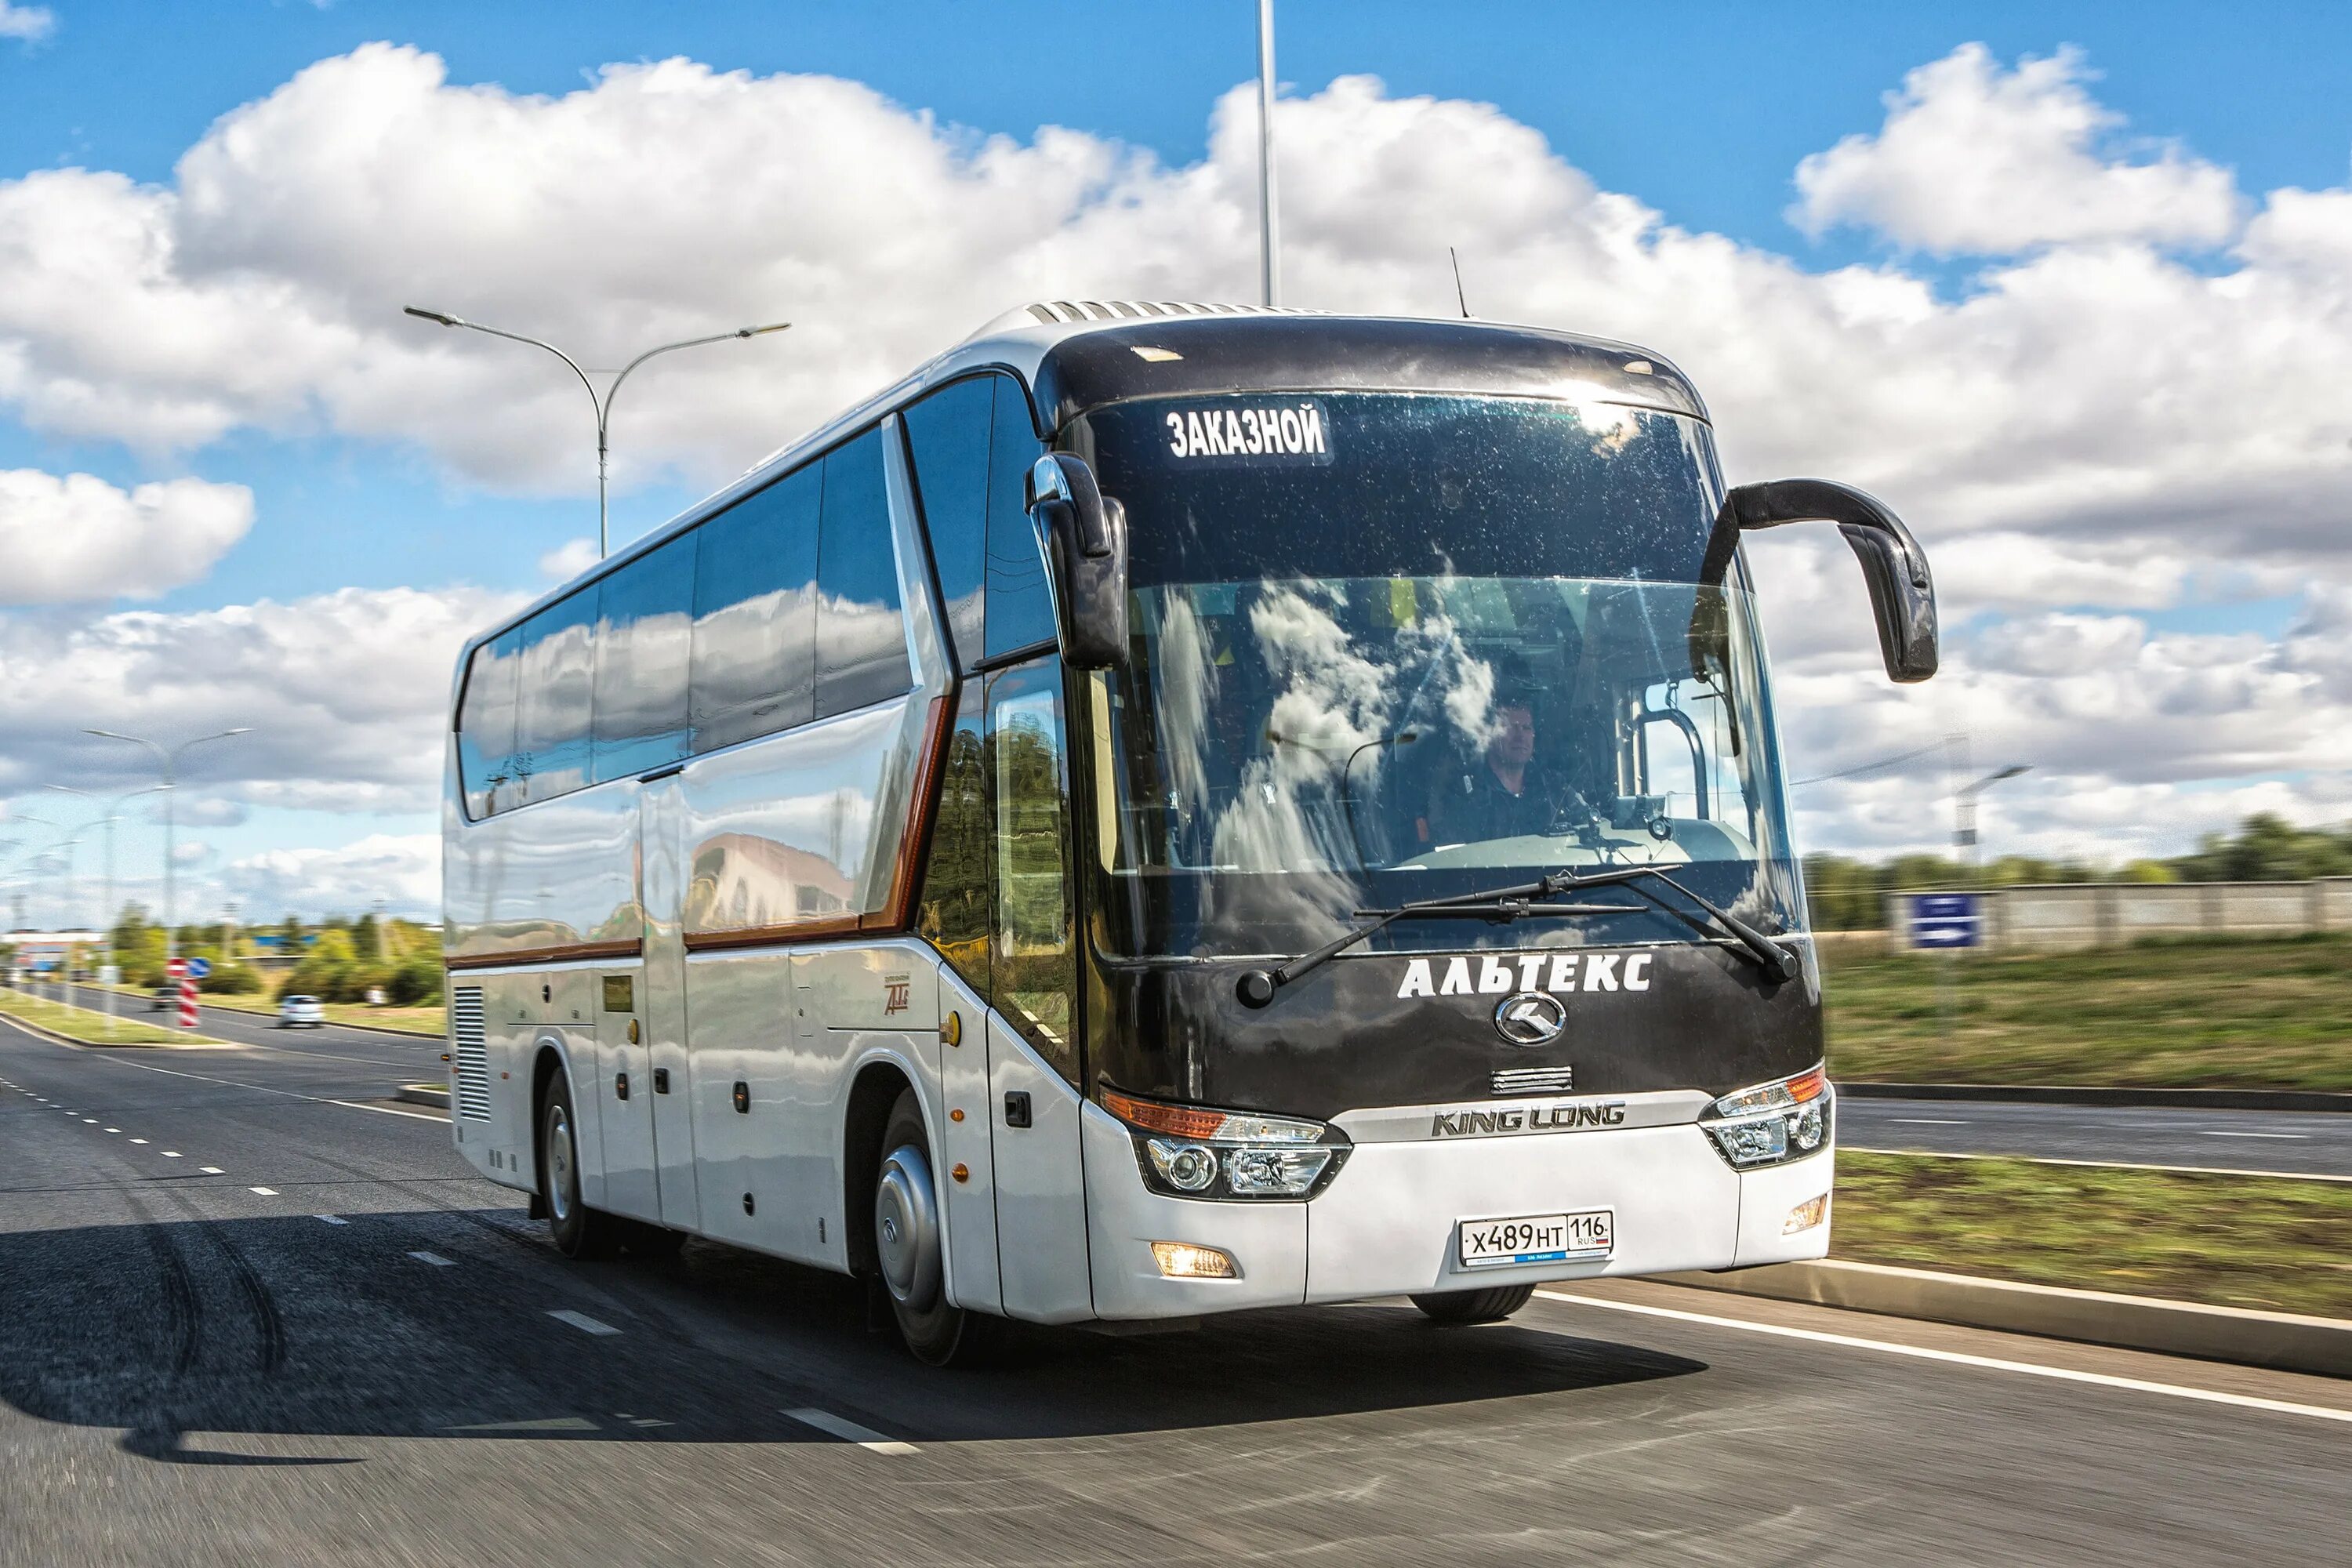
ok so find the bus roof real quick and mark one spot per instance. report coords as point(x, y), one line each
point(1077, 355)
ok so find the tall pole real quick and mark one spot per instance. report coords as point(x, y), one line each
point(601, 402)
point(106, 911)
point(1269, 234)
point(169, 758)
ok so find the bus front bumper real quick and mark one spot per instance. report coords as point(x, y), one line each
point(1390, 1223)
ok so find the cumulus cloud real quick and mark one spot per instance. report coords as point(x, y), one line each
point(80, 538)
point(1977, 160)
point(402, 869)
point(568, 560)
point(27, 23)
point(346, 695)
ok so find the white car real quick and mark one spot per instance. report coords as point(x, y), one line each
point(300, 1013)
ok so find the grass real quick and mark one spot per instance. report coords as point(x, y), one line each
point(2248, 1013)
point(2267, 1243)
point(430, 1020)
point(91, 1028)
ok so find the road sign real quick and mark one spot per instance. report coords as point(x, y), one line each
point(175, 967)
point(199, 967)
point(1947, 919)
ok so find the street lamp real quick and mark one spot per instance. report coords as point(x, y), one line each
point(1964, 813)
point(107, 910)
point(603, 403)
point(169, 756)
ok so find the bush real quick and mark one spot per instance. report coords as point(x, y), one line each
point(415, 982)
point(232, 980)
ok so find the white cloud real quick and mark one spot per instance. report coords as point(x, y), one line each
point(569, 559)
point(27, 23)
point(80, 538)
point(191, 852)
point(346, 694)
point(402, 869)
point(1976, 160)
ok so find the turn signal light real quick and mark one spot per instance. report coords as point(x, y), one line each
point(1182, 1260)
point(1806, 1214)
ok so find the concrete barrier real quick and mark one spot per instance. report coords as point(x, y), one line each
point(2284, 1341)
point(2075, 916)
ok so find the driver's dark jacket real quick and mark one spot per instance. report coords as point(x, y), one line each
point(1468, 803)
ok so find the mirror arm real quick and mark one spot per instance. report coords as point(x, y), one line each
point(1893, 564)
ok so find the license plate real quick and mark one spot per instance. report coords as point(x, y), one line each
point(1538, 1238)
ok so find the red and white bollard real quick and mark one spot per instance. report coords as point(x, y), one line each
point(187, 1004)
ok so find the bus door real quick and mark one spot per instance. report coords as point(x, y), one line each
point(1032, 1038)
point(661, 836)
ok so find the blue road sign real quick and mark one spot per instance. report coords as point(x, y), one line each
point(199, 967)
point(1947, 919)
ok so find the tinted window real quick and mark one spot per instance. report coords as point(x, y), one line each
point(948, 433)
point(755, 613)
point(486, 727)
point(555, 684)
point(861, 640)
point(644, 638)
point(1020, 611)
point(1034, 964)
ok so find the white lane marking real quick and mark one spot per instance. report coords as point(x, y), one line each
point(331, 1219)
point(865, 1438)
point(2254, 1135)
point(1957, 1358)
point(1928, 1121)
point(139, 1140)
point(554, 1424)
point(263, 1191)
point(114, 1130)
point(214, 1171)
point(435, 1259)
point(90, 1121)
point(170, 1154)
point(2106, 1164)
point(583, 1322)
point(263, 1088)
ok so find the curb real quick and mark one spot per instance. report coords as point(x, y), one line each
point(42, 1031)
point(2283, 1341)
point(2144, 1098)
point(431, 1094)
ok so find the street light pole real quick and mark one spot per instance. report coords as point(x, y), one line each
point(107, 910)
point(1269, 232)
point(602, 403)
point(169, 757)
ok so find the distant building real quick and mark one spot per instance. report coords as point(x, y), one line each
point(47, 949)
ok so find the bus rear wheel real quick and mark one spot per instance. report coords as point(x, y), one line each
point(578, 1230)
point(1488, 1306)
point(908, 1219)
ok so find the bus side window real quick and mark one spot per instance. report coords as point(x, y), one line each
point(955, 913)
point(554, 691)
point(1034, 958)
point(645, 634)
point(948, 435)
point(1020, 612)
point(861, 637)
point(486, 727)
point(755, 613)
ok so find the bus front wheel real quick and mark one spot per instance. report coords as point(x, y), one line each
point(1487, 1306)
point(908, 1249)
point(578, 1230)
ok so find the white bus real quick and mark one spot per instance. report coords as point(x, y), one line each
point(1167, 809)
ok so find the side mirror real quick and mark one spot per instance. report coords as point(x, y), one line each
point(1084, 535)
point(1902, 590)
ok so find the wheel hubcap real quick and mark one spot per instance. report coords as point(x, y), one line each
point(907, 1230)
point(559, 1163)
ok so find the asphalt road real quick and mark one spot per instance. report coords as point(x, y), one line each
point(243, 1324)
point(2285, 1143)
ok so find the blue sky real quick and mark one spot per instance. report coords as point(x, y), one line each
point(1701, 113)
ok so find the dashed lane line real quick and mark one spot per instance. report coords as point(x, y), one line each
point(1958, 1358)
point(865, 1438)
point(264, 1088)
point(583, 1322)
point(330, 1218)
point(263, 1191)
point(435, 1259)
point(212, 1170)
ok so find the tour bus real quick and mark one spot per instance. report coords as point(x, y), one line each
point(1167, 809)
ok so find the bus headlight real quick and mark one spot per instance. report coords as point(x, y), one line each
point(1787, 1119)
point(1191, 1152)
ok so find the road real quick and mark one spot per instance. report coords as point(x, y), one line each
point(2285, 1143)
point(241, 1322)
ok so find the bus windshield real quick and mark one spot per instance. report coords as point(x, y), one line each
point(1452, 647)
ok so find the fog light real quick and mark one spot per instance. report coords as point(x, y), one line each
point(1182, 1260)
point(1187, 1167)
point(1806, 1214)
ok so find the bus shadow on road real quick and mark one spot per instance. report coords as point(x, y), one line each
point(198, 1338)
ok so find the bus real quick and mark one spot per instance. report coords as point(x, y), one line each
point(1167, 809)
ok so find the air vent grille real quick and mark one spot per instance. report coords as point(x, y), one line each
point(467, 1030)
point(1533, 1080)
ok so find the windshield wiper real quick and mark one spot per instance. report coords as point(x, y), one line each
point(1525, 900)
point(1502, 905)
point(1753, 945)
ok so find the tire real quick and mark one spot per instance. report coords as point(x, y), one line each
point(577, 1230)
point(1456, 1308)
point(907, 1222)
